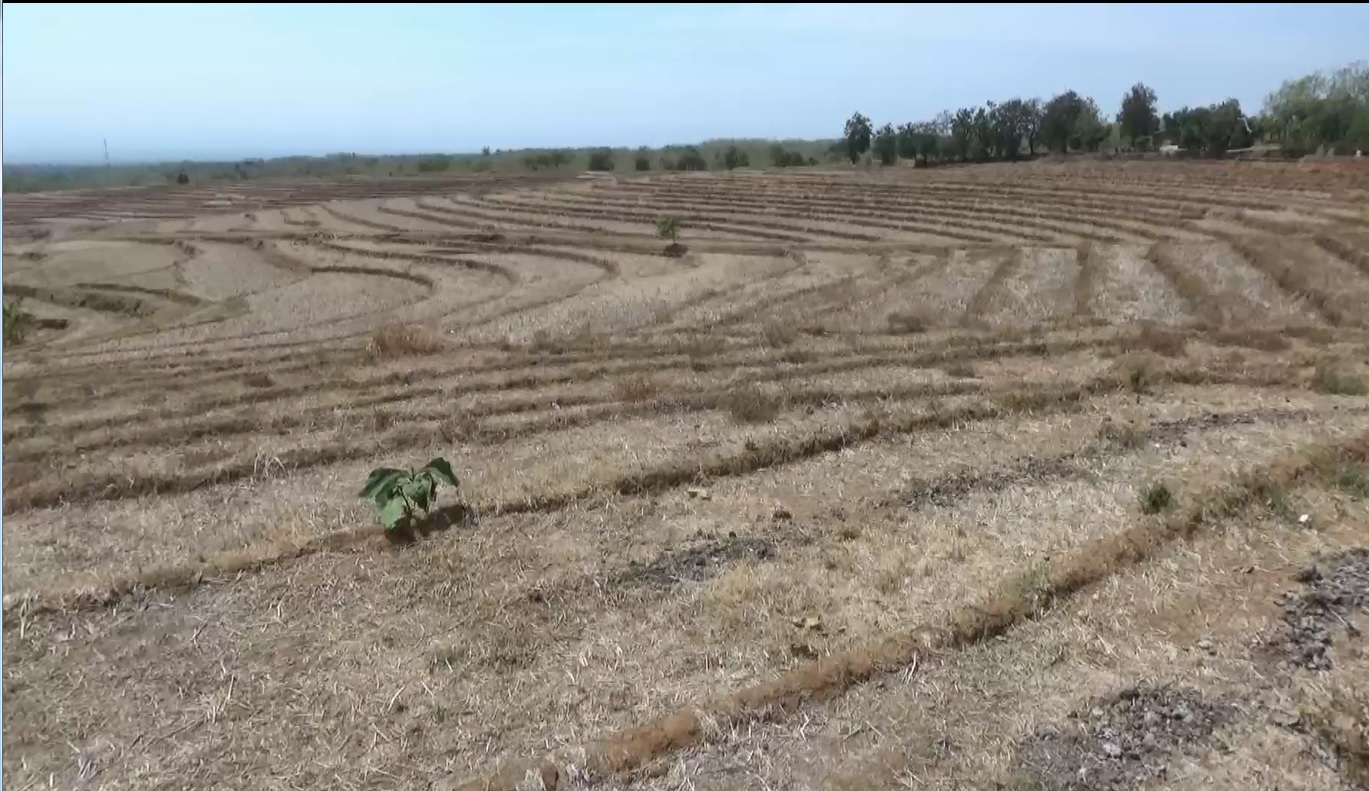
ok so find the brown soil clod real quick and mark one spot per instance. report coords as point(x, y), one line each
point(1122, 743)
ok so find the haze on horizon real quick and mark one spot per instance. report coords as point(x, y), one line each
point(218, 81)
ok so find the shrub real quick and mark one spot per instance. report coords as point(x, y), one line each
point(643, 163)
point(1156, 498)
point(399, 495)
point(405, 339)
point(778, 335)
point(601, 159)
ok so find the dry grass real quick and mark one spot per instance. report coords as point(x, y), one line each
point(395, 340)
point(808, 455)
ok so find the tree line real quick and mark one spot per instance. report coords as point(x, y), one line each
point(1319, 112)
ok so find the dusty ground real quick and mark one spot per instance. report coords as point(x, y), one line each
point(1006, 477)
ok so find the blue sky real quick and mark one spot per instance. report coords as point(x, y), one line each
point(222, 81)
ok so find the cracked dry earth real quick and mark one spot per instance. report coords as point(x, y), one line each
point(844, 494)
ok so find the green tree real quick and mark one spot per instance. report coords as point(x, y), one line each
point(1031, 123)
point(1138, 118)
point(886, 145)
point(857, 136)
point(1060, 120)
point(734, 158)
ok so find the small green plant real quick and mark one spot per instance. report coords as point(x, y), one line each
point(1156, 498)
point(668, 228)
point(399, 495)
point(18, 321)
point(1326, 379)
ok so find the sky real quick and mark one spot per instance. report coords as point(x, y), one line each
point(222, 81)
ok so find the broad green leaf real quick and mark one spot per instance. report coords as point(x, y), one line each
point(392, 514)
point(442, 471)
point(419, 490)
point(381, 479)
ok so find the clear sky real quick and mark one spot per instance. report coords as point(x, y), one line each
point(223, 81)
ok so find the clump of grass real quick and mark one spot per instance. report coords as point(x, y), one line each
point(1156, 498)
point(1249, 338)
point(908, 323)
point(1162, 340)
point(1335, 381)
point(1270, 494)
point(751, 404)
point(258, 379)
point(1126, 435)
point(405, 339)
point(1351, 480)
point(960, 370)
point(18, 322)
point(778, 335)
point(635, 389)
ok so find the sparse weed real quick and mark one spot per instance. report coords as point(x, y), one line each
point(960, 370)
point(1126, 435)
point(18, 322)
point(1334, 381)
point(1351, 480)
point(635, 390)
point(1156, 498)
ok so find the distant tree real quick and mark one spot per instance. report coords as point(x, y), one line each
point(182, 178)
point(886, 145)
point(732, 159)
point(857, 134)
point(691, 159)
point(906, 140)
point(642, 162)
point(435, 163)
point(558, 158)
point(601, 159)
point(787, 159)
point(484, 152)
point(1138, 118)
point(962, 133)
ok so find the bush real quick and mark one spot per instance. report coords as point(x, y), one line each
point(668, 228)
point(1162, 340)
point(434, 164)
point(635, 390)
point(601, 159)
point(643, 163)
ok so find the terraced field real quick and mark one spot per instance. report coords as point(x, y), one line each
point(1047, 476)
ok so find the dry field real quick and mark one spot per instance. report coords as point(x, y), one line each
point(1048, 476)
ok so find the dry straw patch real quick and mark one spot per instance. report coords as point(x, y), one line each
point(393, 340)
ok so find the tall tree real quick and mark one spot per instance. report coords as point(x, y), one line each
point(1031, 123)
point(857, 136)
point(1138, 118)
point(886, 145)
point(1058, 120)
